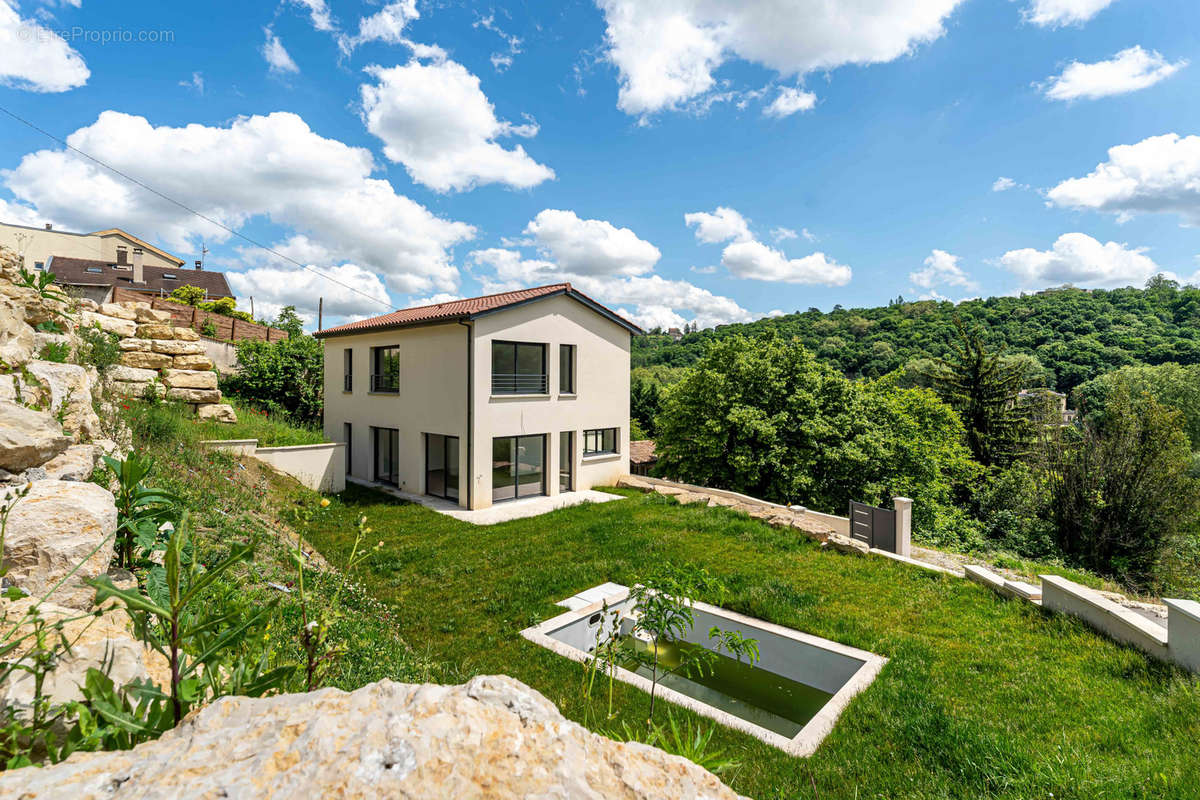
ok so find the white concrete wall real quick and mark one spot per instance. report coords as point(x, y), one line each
point(38, 244)
point(601, 398)
point(1068, 597)
point(317, 466)
point(223, 354)
point(1183, 633)
point(432, 398)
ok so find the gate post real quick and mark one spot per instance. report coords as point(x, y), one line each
point(903, 508)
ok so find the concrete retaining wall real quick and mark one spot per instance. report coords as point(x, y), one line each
point(317, 466)
point(1068, 597)
point(223, 355)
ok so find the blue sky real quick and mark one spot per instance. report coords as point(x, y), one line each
point(685, 160)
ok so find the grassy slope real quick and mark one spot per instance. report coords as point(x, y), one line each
point(982, 696)
point(254, 424)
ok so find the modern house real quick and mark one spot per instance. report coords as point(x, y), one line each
point(94, 263)
point(483, 400)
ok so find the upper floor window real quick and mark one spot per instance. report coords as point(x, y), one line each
point(348, 370)
point(122, 255)
point(566, 368)
point(170, 276)
point(599, 441)
point(385, 369)
point(519, 368)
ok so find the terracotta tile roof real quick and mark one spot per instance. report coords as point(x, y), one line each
point(469, 308)
point(74, 272)
point(642, 451)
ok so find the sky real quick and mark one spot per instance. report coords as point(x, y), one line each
point(685, 161)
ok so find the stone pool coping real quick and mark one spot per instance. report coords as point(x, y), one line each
point(803, 744)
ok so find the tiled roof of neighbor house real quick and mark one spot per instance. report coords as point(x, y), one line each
point(75, 272)
point(469, 308)
point(641, 451)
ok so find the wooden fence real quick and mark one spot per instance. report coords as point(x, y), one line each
point(184, 316)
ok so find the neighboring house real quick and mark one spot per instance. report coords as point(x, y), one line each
point(112, 246)
point(96, 280)
point(1048, 405)
point(484, 400)
point(642, 456)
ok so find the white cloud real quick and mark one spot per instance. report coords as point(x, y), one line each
point(277, 58)
point(1003, 184)
point(270, 167)
point(1055, 13)
point(756, 261)
point(666, 51)
point(500, 61)
point(941, 269)
point(781, 233)
point(35, 58)
point(1079, 259)
point(196, 84)
point(1160, 174)
point(432, 300)
point(721, 225)
point(385, 25)
point(274, 287)
point(590, 246)
point(318, 10)
point(436, 121)
point(1128, 71)
point(789, 101)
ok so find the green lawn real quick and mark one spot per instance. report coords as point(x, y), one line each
point(982, 696)
point(254, 424)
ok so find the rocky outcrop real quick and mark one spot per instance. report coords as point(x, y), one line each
point(58, 526)
point(16, 336)
point(102, 642)
point(70, 388)
point(76, 463)
point(493, 737)
point(845, 544)
point(28, 438)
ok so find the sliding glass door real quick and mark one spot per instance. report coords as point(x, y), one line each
point(385, 442)
point(518, 467)
point(566, 460)
point(441, 466)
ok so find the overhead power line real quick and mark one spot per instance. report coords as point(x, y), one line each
point(190, 210)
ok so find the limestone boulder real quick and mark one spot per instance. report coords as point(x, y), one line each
point(137, 345)
point(16, 336)
point(43, 338)
point(119, 311)
point(70, 387)
point(86, 304)
point(634, 482)
point(493, 737)
point(155, 330)
point(121, 327)
point(102, 642)
point(121, 372)
point(146, 314)
point(189, 379)
point(57, 527)
point(28, 438)
point(844, 544)
point(192, 362)
point(135, 358)
point(136, 388)
point(73, 464)
point(194, 395)
point(217, 412)
point(187, 335)
point(175, 347)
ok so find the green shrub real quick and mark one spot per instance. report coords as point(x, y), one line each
point(98, 348)
point(58, 352)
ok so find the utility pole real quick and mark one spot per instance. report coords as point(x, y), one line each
point(320, 313)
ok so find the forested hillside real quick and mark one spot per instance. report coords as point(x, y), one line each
point(1076, 334)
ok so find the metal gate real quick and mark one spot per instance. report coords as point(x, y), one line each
point(875, 526)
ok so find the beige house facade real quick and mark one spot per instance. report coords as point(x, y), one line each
point(485, 400)
point(113, 246)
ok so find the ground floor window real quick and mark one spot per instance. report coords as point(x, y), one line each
point(386, 444)
point(599, 441)
point(518, 467)
point(441, 466)
point(566, 461)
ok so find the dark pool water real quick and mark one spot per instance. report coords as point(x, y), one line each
point(768, 700)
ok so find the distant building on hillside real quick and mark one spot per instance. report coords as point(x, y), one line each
point(94, 263)
point(642, 456)
point(1047, 404)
